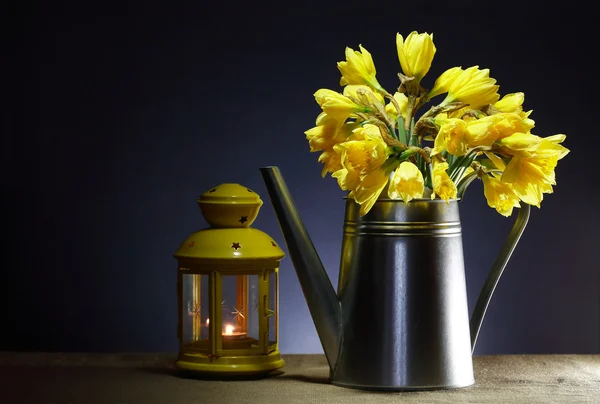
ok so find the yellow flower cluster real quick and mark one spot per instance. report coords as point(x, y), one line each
point(376, 149)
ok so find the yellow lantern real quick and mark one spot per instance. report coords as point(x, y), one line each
point(228, 289)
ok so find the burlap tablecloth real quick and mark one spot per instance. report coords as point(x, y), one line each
point(151, 378)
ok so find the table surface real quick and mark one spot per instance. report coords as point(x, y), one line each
point(151, 378)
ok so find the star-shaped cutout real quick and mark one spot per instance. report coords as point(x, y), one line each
point(249, 190)
point(191, 244)
point(273, 244)
point(244, 219)
point(212, 190)
point(236, 246)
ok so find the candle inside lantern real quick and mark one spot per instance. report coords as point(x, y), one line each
point(229, 331)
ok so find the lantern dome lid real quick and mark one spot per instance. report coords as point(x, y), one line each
point(230, 242)
point(242, 245)
point(230, 205)
point(229, 193)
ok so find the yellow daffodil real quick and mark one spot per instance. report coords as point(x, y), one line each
point(506, 124)
point(363, 92)
point(442, 83)
point(337, 105)
point(406, 182)
point(359, 157)
point(325, 136)
point(369, 189)
point(451, 136)
point(511, 103)
point(550, 146)
point(415, 54)
point(533, 176)
point(402, 101)
point(489, 129)
point(472, 86)
point(331, 160)
point(521, 143)
point(358, 69)
point(480, 132)
point(364, 150)
point(443, 186)
point(364, 132)
point(499, 195)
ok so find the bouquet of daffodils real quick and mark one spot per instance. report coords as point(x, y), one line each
point(375, 146)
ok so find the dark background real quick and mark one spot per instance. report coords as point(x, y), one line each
point(117, 119)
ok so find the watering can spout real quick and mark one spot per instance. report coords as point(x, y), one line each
point(318, 291)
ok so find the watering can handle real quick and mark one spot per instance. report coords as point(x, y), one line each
point(494, 276)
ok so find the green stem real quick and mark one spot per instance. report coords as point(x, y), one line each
point(429, 176)
point(455, 164)
point(402, 136)
point(414, 141)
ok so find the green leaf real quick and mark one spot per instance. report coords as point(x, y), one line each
point(462, 167)
point(455, 164)
point(451, 159)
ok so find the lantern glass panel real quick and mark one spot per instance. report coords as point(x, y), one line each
point(195, 321)
point(239, 311)
point(253, 322)
point(273, 307)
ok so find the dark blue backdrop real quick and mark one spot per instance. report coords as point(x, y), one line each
point(117, 123)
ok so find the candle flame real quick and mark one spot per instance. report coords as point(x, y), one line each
point(207, 321)
point(228, 329)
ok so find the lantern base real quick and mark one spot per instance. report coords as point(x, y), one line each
point(230, 365)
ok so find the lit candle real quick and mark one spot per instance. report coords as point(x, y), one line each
point(229, 331)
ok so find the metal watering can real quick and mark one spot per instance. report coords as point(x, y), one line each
point(399, 320)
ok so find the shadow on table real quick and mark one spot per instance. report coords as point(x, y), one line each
point(275, 375)
point(304, 378)
point(185, 374)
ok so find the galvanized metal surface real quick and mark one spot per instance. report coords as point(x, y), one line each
point(319, 293)
point(401, 319)
point(403, 294)
point(491, 282)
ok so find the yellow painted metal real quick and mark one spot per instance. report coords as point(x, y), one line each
point(275, 278)
point(196, 319)
point(233, 248)
point(230, 365)
point(217, 326)
point(263, 307)
point(229, 247)
point(230, 205)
